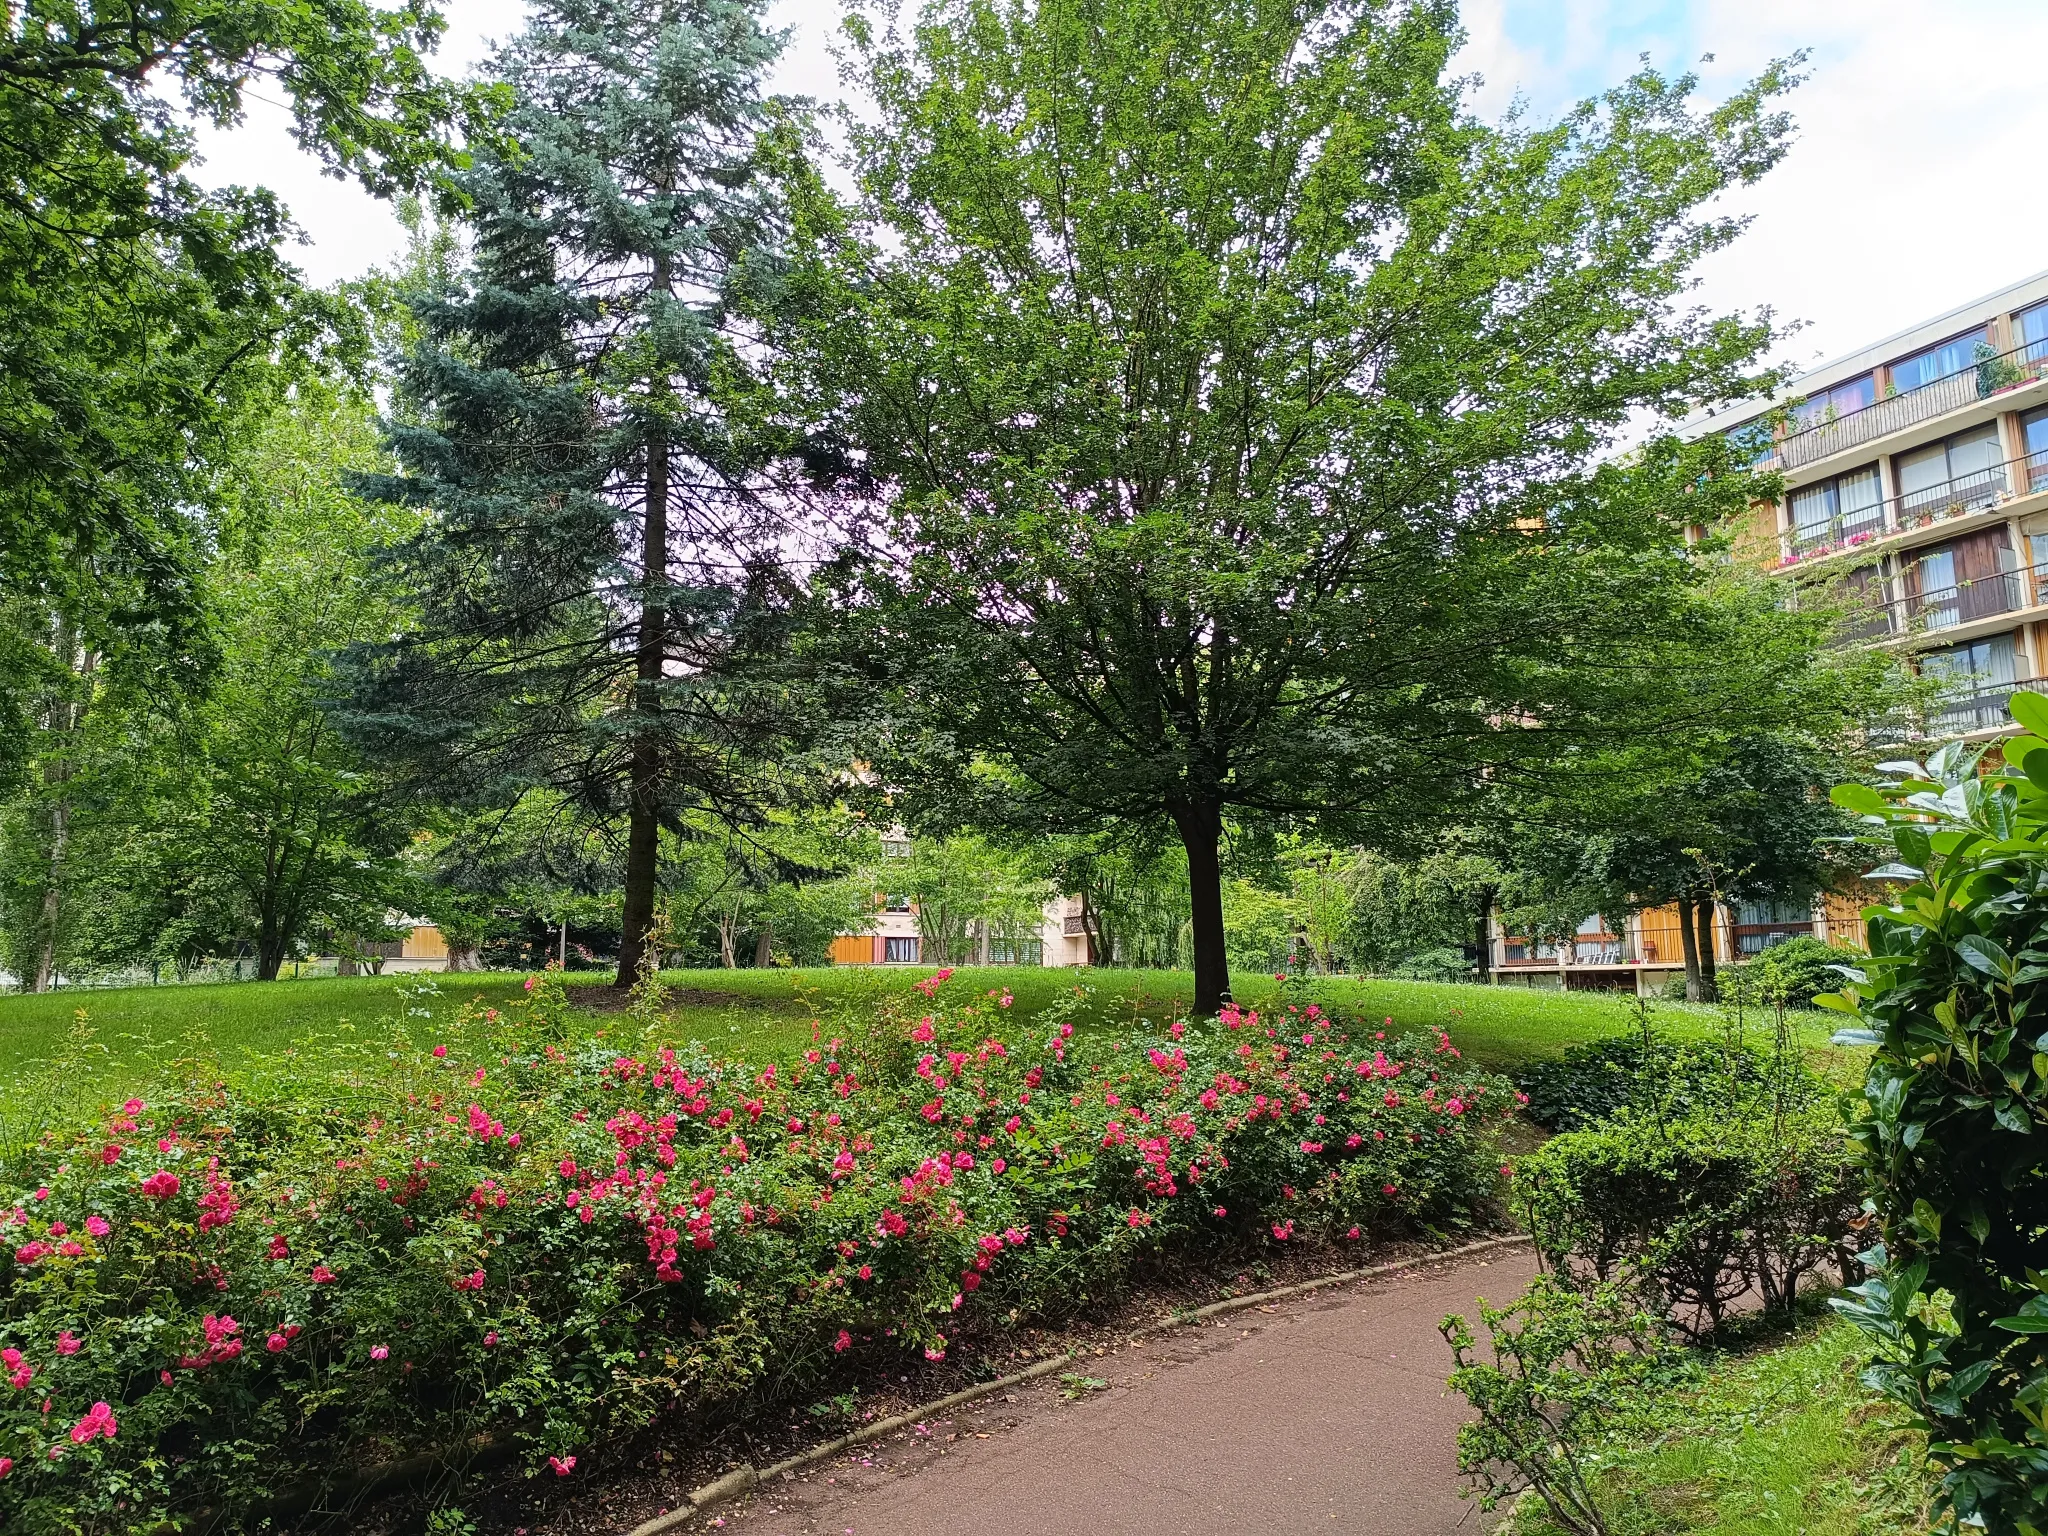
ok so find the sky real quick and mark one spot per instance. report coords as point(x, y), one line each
point(1921, 128)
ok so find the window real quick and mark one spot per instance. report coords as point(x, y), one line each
point(1757, 913)
point(1977, 679)
point(1970, 578)
point(2031, 326)
point(2034, 432)
point(1020, 952)
point(1825, 405)
point(1944, 478)
point(891, 902)
point(1938, 362)
point(1750, 442)
point(899, 951)
point(1847, 507)
point(1762, 925)
point(895, 848)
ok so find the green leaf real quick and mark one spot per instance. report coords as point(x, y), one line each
point(2010, 1114)
point(1860, 798)
point(2031, 710)
point(2021, 1324)
point(1927, 1219)
point(1986, 955)
point(1914, 846)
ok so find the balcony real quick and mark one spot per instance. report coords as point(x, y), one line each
point(1842, 533)
point(1990, 375)
point(1973, 492)
point(1991, 486)
point(1984, 597)
point(1981, 710)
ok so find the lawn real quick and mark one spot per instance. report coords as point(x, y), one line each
point(1781, 1442)
point(77, 1045)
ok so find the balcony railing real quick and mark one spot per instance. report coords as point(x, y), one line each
point(1979, 380)
point(1839, 532)
point(1983, 597)
point(1984, 709)
point(1981, 488)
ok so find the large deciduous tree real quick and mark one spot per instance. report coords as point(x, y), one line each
point(600, 604)
point(1240, 404)
point(142, 318)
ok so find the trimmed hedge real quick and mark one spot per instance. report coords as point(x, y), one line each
point(226, 1291)
point(1603, 1078)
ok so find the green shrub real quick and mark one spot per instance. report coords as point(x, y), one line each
point(1741, 1190)
point(1434, 965)
point(1566, 1366)
point(1798, 971)
point(1956, 1105)
point(1603, 1078)
point(224, 1292)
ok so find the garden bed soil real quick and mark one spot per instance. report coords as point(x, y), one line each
point(616, 1488)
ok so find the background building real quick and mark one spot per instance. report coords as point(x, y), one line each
point(1916, 483)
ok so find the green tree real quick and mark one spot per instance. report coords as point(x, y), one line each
point(600, 612)
point(967, 891)
point(142, 319)
point(183, 826)
point(1238, 402)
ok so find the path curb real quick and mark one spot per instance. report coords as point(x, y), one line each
point(745, 1479)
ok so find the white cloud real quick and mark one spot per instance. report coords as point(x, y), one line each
point(1909, 190)
point(1909, 187)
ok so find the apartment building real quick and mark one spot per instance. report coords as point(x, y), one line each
point(1916, 481)
point(1915, 485)
point(894, 936)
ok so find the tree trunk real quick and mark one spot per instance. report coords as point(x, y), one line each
point(728, 926)
point(643, 826)
point(1484, 949)
point(1704, 914)
point(764, 947)
point(65, 718)
point(53, 893)
point(1200, 822)
point(463, 957)
point(1688, 941)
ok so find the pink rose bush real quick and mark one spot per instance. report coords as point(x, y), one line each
point(558, 1243)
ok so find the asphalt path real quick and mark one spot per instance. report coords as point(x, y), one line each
point(1324, 1413)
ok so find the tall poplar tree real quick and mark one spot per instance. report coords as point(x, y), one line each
point(598, 593)
point(1237, 400)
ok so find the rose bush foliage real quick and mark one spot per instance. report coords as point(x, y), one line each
point(217, 1292)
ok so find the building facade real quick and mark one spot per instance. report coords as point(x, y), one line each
point(1916, 486)
point(893, 938)
point(1915, 478)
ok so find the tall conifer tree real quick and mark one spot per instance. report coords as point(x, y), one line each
point(597, 580)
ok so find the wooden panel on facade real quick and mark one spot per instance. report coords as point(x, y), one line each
point(1659, 942)
point(855, 949)
point(1844, 913)
point(424, 943)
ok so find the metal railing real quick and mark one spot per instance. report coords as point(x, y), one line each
point(1980, 379)
point(1840, 532)
point(1931, 504)
point(1980, 488)
point(1982, 597)
point(1982, 710)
